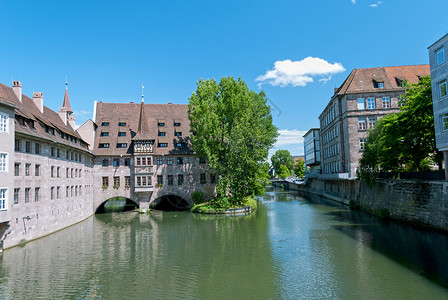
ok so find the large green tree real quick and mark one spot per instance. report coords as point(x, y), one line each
point(232, 128)
point(299, 168)
point(405, 140)
point(282, 157)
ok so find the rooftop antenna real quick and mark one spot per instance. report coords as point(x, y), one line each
point(143, 96)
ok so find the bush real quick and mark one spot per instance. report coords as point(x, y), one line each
point(197, 197)
point(251, 202)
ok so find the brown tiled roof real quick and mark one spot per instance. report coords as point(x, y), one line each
point(66, 102)
point(29, 110)
point(364, 80)
point(143, 127)
point(129, 113)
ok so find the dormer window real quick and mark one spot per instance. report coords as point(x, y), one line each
point(104, 134)
point(160, 124)
point(138, 145)
point(176, 124)
point(162, 133)
point(122, 134)
point(122, 124)
point(380, 85)
point(105, 124)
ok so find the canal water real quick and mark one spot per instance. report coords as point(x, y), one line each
point(291, 248)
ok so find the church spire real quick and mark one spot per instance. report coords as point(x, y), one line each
point(66, 102)
point(143, 127)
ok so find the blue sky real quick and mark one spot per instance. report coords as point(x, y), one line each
point(296, 51)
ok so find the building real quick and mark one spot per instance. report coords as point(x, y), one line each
point(365, 96)
point(439, 76)
point(143, 152)
point(311, 145)
point(48, 178)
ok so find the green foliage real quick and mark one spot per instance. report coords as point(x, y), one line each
point(251, 202)
point(215, 207)
point(282, 157)
point(197, 197)
point(299, 169)
point(232, 128)
point(283, 172)
point(405, 140)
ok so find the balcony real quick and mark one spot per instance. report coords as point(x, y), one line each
point(144, 169)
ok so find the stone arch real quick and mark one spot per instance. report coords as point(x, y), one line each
point(99, 207)
point(171, 201)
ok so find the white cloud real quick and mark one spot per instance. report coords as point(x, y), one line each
point(291, 140)
point(298, 73)
point(353, 1)
point(82, 113)
point(376, 4)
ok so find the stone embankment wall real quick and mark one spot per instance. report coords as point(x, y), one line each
point(423, 203)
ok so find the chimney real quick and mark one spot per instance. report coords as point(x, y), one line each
point(17, 88)
point(38, 99)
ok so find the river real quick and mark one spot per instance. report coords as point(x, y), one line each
point(290, 248)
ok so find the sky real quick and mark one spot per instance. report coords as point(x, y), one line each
point(296, 51)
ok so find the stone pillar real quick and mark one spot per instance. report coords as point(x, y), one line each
point(445, 163)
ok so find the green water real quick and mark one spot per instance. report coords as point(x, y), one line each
point(291, 248)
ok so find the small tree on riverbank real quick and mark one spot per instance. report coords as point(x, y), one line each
point(232, 128)
point(282, 157)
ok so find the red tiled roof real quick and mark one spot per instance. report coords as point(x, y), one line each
point(66, 102)
point(129, 113)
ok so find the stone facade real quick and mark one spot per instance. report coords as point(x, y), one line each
point(439, 81)
point(364, 97)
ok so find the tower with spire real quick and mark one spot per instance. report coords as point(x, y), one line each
point(66, 112)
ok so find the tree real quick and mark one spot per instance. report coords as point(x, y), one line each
point(405, 140)
point(282, 157)
point(232, 128)
point(283, 172)
point(299, 169)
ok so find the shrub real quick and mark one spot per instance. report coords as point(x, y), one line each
point(251, 202)
point(197, 197)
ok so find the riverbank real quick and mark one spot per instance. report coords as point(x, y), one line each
point(422, 203)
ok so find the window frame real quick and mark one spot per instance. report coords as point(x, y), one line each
point(4, 159)
point(437, 52)
point(444, 117)
point(4, 123)
point(371, 103)
point(361, 103)
point(3, 198)
point(439, 89)
point(386, 100)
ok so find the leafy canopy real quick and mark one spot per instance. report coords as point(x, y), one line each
point(232, 128)
point(282, 157)
point(405, 140)
point(299, 169)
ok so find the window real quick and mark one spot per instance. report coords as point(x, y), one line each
point(160, 124)
point(169, 161)
point(37, 148)
point(67, 192)
point(105, 181)
point(362, 123)
point(180, 161)
point(122, 134)
point(3, 123)
point(176, 124)
point(51, 173)
point(361, 103)
point(159, 161)
point(58, 174)
point(180, 179)
point(71, 191)
point(149, 180)
point(16, 169)
point(440, 56)
point(58, 153)
point(162, 133)
point(3, 197)
point(127, 181)
point(159, 179)
point(127, 162)
point(177, 133)
point(3, 162)
point(17, 145)
point(444, 122)
point(380, 85)
point(105, 124)
point(202, 178)
point(16, 195)
point(139, 180)
point(105, 162)
point(116, 162)
point(372, 122)
point(37, 170)
point(58, 192)
point(180, 144)
point(27, 147)
point(143, 180)
point(442, 89)
point(138, 161)
point(122, 145)
point(143, 161)
point(122, 124)
point(371, 103)
point(148, 161)
point(27, 169)
point(116, 181)
point(103, 145)
point(104, 134)
point(212, 178)
point(386, 102)
point(362, 143)
point(27, 195)
point(52, 151)
point(170, 179)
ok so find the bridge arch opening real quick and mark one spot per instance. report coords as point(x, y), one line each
point(171, 203)
point(116, 204)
